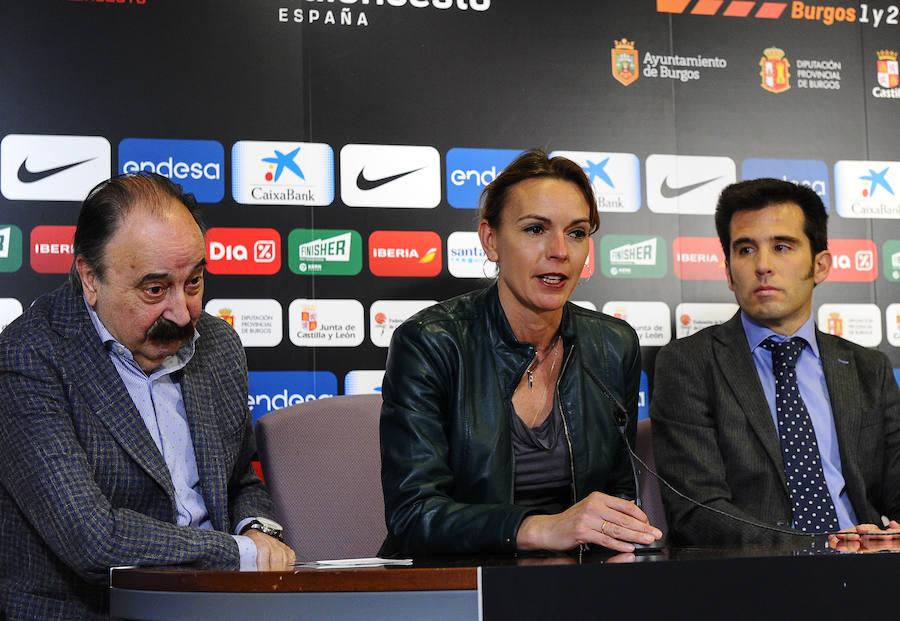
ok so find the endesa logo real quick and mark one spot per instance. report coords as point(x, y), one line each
point(271, 390)
point(853, 260)
point(405, 253)
point(811, 173)
point(698, 258)
point(469, 170)
point(196, 165)
point(51, 249)
point(243, 251)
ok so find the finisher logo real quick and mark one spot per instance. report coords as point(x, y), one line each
point(405, 253)
point(272, 390)
point(470, 170)
point(325, 252)
point(51, 249)
point(243, 251)
point(10, 248)
point(633, 256)
point(195, 165)
point(282, 173)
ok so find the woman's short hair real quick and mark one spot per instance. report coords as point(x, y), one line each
point(531, 165)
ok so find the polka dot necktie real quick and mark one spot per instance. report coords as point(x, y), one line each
point(813, 508)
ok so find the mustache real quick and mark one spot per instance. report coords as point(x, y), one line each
point(164, 331)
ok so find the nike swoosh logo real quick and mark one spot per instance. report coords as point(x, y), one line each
point(27, 176)
point(370, 184)
point(668, 191)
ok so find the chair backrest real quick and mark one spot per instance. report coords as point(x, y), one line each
point(322, 464)
point(651, 500)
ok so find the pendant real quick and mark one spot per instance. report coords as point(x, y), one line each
point(530, 378)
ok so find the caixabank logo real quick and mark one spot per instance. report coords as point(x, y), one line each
point(633, 256)
point(196, 165)
point(282, 173)
point(325, 252)
point(405, 253)
point(10, 248)
point(273, 390)
point(867, 189)
point(243, 251)
point(615, 178)
point(51, 249)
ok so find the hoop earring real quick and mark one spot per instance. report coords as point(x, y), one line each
point(495, 269)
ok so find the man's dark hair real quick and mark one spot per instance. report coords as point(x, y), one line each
point(531, 165)
point(756, 194)
point(109, 202)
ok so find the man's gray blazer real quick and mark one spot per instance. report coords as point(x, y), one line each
point(82, 485)
point(714, 438)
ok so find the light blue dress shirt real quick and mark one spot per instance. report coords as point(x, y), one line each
point(158, 399)
point(813, 389)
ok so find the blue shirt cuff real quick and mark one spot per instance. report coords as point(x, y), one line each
point(247, 550)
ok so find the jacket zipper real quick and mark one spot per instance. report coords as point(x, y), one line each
point(562, 412)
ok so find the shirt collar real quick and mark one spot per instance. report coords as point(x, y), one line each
point(170, 364)
point(757, 333)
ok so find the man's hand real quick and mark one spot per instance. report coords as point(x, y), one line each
point(271, 554)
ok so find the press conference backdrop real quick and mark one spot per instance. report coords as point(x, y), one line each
point(338, 149)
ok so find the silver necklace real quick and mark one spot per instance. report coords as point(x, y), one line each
point(537, 362)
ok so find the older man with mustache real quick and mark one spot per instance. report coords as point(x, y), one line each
point(125, 437)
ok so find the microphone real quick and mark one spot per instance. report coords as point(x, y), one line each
point(620, 415)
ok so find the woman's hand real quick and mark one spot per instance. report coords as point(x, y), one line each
point(600, 519)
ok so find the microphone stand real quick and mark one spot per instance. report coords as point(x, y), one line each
point(620, 418)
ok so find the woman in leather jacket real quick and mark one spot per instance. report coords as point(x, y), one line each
point(493, 436)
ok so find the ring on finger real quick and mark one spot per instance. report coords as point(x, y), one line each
point(602, 525)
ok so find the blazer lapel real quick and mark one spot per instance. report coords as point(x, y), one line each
point(839, 366)
point(106, 396)
point(199, 392)
point(736, 364)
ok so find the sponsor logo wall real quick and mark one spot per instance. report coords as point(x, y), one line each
point(340, 176)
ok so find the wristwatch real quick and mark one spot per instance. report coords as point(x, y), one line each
point(267, 527)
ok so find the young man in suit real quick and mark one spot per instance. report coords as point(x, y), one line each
point(125, 437)
point(765, 417)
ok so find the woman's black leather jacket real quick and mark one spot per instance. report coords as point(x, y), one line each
point(447, 456)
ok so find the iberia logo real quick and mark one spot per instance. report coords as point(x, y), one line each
point(625, 61)
point(51, 249)
point(405, 253)
point(774, 69)
point(698, 258)
point(888, 69)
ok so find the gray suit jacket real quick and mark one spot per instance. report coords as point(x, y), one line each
point(714, 438)
point(82, 485)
